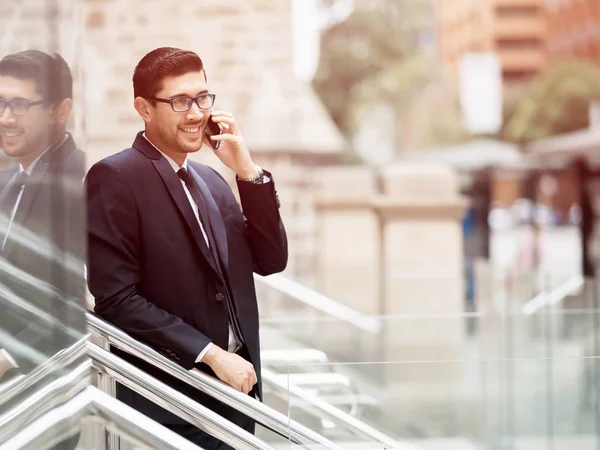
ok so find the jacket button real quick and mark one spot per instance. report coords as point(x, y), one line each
point(220, 297)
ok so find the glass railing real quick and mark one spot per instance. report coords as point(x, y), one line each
point(471, 404)
point(521, 372)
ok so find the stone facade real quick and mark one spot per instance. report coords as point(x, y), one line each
point(246, 47)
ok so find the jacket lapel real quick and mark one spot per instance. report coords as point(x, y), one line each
point(9, 178)
point(7, 186)
point(175, 189)
point(216, 220)
point(34, 181)
point(39, 176)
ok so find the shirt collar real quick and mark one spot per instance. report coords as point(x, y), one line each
point(29, 169)
point(172, 163)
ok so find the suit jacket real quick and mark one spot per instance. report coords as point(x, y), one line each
point(42, 263)
point(147, 271)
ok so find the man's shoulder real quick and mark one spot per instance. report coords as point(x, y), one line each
point(122, 159)
point(75, 160)
point(7, 173)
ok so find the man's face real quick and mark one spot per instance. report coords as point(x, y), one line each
point(26, 135)
point(179, 132)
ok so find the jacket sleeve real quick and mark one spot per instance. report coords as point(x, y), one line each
point(266, 233)
point(114, 254)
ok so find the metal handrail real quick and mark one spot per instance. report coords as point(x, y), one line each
point(67, 386)
point(339, 311)
point(543, 299)
point(174, 401)
point(126, 374)
point(328, 411)
point(209, 385)
point(60, 360)
point(320, 302)
point(64, 421)
point(252, 408)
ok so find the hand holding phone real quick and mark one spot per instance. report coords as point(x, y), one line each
point(212, 129)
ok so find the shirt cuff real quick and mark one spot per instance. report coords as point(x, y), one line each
point(11, 360)
point(203, 352)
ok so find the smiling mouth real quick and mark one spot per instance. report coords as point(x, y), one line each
point(12, 133)
point(190, 130)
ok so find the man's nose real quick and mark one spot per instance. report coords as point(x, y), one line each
point(7, 117)
point(194, 112)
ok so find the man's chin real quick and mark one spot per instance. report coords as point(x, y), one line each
point(189, 147)
point(14, 152)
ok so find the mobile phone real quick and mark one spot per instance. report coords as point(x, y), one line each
point(212, 129)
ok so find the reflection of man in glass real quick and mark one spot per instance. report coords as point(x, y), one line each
point(41, 214)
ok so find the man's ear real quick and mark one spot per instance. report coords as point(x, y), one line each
point(143, 108)
point(62, 111)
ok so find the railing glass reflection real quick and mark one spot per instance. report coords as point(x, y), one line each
point(42, 210)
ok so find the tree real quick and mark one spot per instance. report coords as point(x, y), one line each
point(352, 51)
point(557, 101)
point(375, 58)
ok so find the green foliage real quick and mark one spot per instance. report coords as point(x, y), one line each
point(353, 51)
point(555, 102)
point(374, 58)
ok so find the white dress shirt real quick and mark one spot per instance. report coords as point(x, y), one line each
point(27, 171)
point(232, 344)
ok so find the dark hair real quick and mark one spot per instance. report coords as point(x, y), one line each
point(51, 74)
point(161, 63)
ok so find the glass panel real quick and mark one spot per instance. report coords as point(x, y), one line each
point(519, 373)
point(471, 404)
point(42, 214)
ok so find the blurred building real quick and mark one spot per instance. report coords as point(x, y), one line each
point(513, 29)
point(248, 52)
point(526, 35)
point(573, 29)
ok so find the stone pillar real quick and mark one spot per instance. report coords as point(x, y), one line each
point(423, 273)
point(348, 238)
point(422, 212)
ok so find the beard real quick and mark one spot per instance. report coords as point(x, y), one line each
point(19, 142)
point(187, 138)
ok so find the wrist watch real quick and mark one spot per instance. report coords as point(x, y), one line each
point(258, 178)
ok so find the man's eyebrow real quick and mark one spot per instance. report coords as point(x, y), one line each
point(15, 98)
point(205, 91)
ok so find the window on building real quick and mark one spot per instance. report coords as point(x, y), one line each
point(517, 43)
point(517, 10)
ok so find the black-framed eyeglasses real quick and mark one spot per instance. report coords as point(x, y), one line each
point(18, 107)
point(184, 103)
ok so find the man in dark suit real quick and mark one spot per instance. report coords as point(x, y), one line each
point(171, 255)
point(42, 213)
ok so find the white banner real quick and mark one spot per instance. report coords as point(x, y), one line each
point(480, 91)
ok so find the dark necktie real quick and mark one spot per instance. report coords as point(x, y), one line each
point(10, 199)
point(205, 219)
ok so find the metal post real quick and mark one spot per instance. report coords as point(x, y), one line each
point(107, 384)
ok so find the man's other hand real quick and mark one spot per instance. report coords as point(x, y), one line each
point(231, 369)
